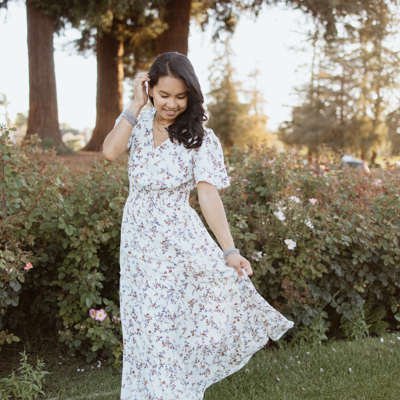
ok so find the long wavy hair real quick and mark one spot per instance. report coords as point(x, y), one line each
point(187, 128)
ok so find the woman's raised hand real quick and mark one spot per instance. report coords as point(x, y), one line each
point(238, 262)
point(140, 98)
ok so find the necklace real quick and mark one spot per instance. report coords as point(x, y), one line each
point(161, 138)
point(165, 136)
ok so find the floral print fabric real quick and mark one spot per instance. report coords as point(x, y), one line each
point(188, 320)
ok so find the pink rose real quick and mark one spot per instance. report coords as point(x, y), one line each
point(101, 315)
point(28, 266)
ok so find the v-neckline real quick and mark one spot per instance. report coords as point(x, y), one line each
point(152, 134)
point(152, 141)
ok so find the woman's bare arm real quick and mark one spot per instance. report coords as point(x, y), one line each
point(214, 213)
point(116, 141)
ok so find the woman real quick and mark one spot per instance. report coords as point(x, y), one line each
point(190, 314)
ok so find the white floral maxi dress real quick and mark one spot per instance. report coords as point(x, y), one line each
point(188, 321)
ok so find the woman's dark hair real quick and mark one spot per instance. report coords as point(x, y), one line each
point(187, 128)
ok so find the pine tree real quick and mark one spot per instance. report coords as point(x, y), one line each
point(235, 122)
point(228, 114)
point(345, 105)
point(257, 131)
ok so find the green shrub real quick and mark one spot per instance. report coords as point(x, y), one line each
point(315, 332)
point(27, 383)
point(347, 243)
point(355, 327)
point(66, 223)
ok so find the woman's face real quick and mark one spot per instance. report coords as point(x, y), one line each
point(170, 98)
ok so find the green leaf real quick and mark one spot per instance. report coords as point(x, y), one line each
point(89, 302)
point(16, 286)
point(17, 183)
point(69, 230)
point(28, 225)
point(69, 211)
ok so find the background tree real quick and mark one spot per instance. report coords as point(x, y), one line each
point(346, 103)
point(327, 101)
point(176, 15)
point(234, 121)
point(108, 29)
point(258, 132)
point(393, 126)
point(4, 104)
point(228, 114)
point(44, 17)
point(21, 120)
point(43, 109)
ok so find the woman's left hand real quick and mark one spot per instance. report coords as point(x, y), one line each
point(238, 262)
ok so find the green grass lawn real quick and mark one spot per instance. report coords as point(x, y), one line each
point(366, 369)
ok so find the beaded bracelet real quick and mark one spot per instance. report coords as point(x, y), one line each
point(230, 251)
point(130, 117)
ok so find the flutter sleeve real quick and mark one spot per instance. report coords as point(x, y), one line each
point(208, 162)
point(132, 133)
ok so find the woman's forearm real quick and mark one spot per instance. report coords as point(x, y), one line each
point(214, 213)
point(116, 141)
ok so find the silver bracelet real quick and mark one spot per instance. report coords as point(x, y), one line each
point(130, 117)
point(230, 251)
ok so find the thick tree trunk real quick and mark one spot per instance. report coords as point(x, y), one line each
point(110, 75)
point(176, 37)
point(43, 111)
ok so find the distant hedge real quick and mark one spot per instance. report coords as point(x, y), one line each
point(331, 264)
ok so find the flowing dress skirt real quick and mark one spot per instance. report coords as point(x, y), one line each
point(188, 320)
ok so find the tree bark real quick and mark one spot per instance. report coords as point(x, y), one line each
point(176, 37)
point(110, 76)
point(43, 110)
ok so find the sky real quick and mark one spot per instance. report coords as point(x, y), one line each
point(264, 43)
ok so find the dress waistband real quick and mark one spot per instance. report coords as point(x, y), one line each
point(174, 196)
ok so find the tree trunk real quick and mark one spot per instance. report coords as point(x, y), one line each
point(176, 37)
point(43, 110)
point(110, 75)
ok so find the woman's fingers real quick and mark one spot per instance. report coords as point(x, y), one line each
point(239, 263)
point(142, 77)
point(141, 96)
point(246, 266)
point(141, 80)
point(239, 271)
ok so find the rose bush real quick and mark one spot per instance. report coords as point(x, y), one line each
point(323, 237)
point(62, 225)
point(323, 241)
